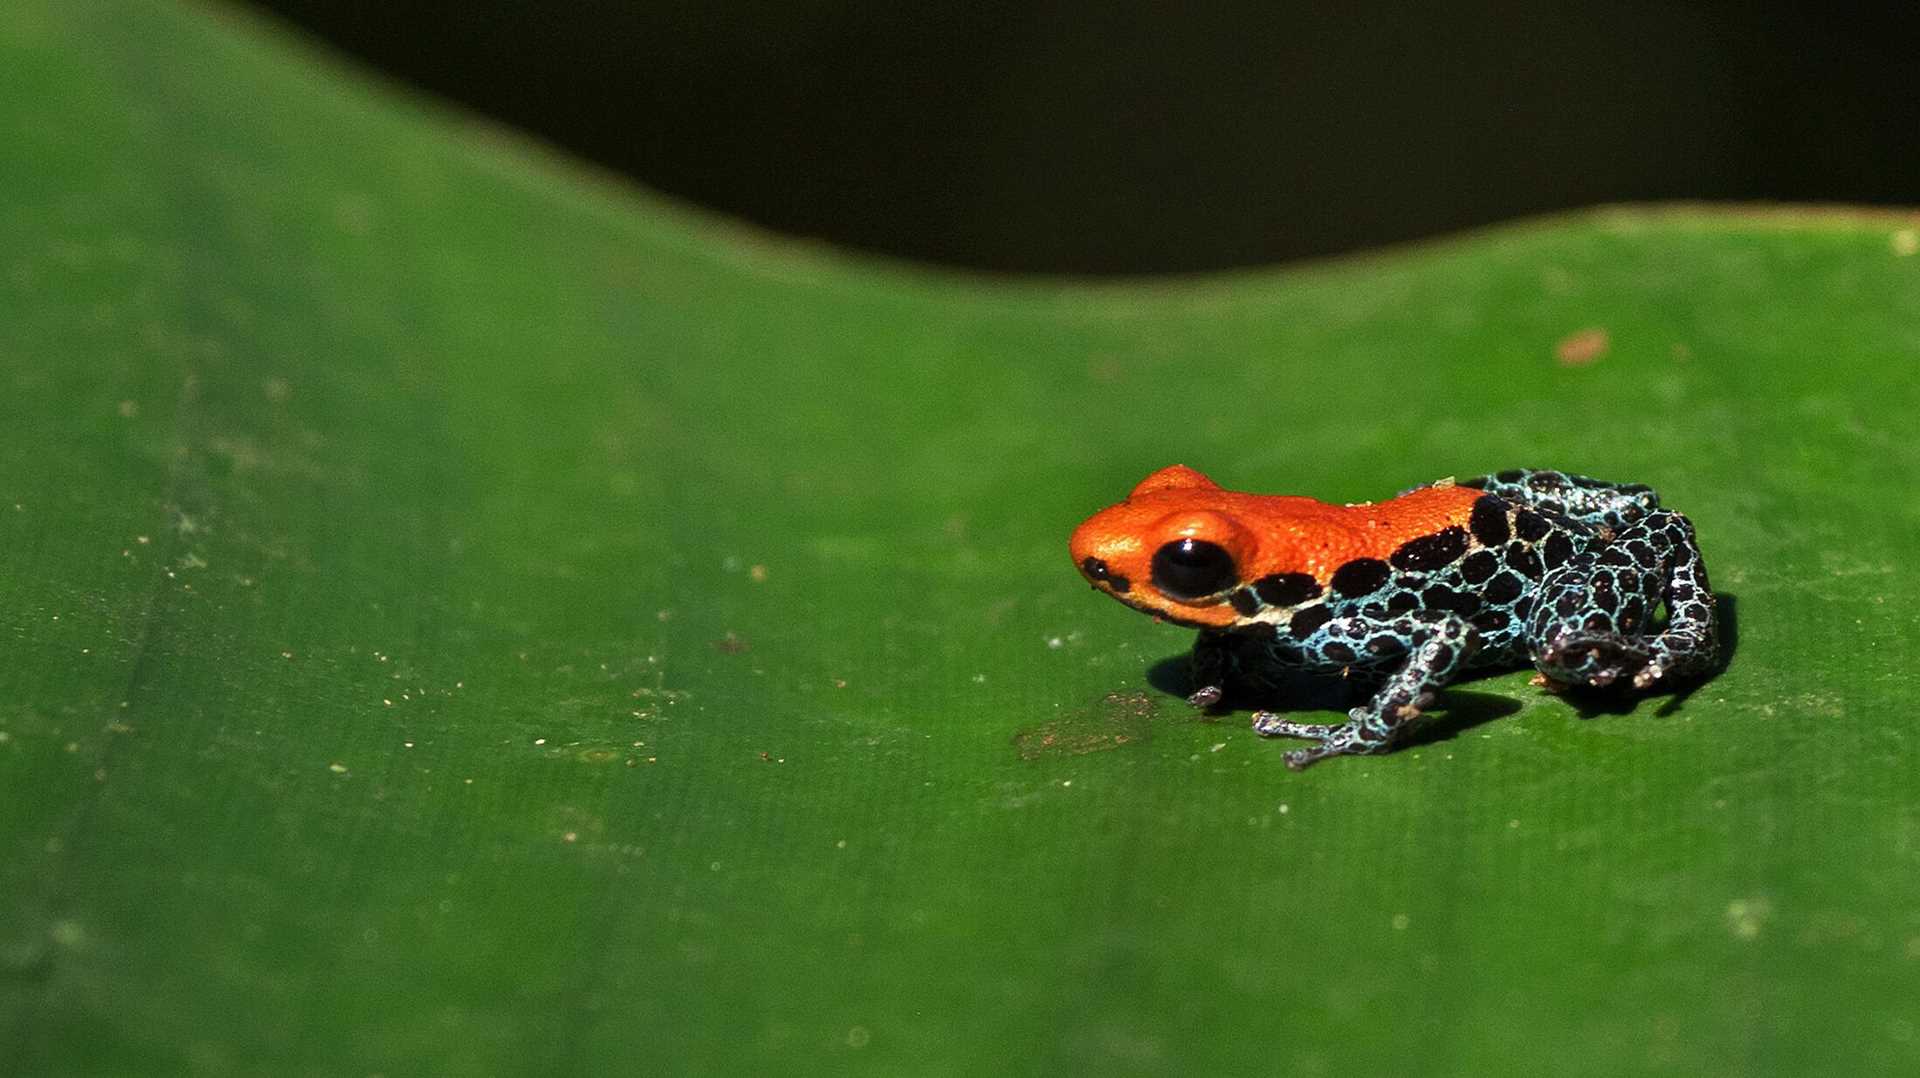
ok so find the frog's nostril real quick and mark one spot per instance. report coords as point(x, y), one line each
point(1097, 570)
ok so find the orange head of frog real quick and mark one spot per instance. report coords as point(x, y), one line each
point(1173, 549)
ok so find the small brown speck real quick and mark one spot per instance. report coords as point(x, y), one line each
point(757, 574)
point(1582, 348)
point(730, 644)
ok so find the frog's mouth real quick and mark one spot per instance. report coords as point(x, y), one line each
point(1157, 613)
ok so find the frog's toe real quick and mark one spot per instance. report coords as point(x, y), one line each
point(1271, 724)
point(1301, 759)
point(1650, 675)
point(1205, 697)
point(1343, 740)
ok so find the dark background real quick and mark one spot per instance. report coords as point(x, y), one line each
point(1127, 137)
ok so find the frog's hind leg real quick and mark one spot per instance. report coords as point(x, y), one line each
point(1593, 502)
point(1592, 623)
point(1440, 649)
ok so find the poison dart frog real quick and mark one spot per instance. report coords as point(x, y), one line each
point(1567, 573)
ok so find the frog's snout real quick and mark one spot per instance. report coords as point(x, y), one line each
point(1093, 550)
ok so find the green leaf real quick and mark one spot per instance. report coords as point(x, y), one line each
point(463, 615)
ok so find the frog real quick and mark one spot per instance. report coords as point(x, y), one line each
point(1592, 583)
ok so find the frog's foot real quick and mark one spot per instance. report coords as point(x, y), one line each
point(1205, 697)
point(1350, 738)
point(1597, 659)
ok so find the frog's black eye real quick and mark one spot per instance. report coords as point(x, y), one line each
point(1193, 569)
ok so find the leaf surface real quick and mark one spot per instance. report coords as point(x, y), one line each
point(464, 615)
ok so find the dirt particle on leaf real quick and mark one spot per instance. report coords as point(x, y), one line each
point(730, 644)
point(1114, 720)
point(1582, 348)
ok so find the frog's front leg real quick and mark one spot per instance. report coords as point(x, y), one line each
point(1209, 666)
point(1589, 626)
point(1439, 649)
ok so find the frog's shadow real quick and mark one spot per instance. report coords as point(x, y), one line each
point(1455, 713)
point(1458, 711)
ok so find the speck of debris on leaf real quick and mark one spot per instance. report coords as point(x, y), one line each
point(1582, 348)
